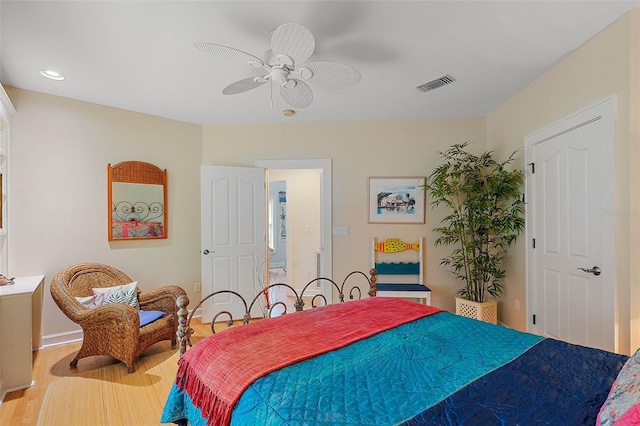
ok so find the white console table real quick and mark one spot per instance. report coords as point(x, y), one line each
point(20, 333)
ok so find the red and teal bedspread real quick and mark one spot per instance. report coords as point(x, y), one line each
point(437, 369)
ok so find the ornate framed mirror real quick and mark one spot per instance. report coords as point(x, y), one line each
point(137, 201)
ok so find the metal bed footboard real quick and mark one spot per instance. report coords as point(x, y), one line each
point(184, 316)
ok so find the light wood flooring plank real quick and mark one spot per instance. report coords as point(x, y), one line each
point(21, 408)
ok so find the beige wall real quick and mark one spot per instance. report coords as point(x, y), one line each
point(58, 186)
point(600, 68)
point(358, 150)
point(58, 205)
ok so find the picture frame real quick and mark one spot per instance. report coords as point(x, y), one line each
point(397, 200)
point(282, 197)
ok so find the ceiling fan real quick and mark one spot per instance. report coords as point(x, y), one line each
point(291, 45)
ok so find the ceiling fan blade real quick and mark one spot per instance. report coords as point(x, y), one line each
point(229, 53)
point(242, 86)
point(294, 41)
point(299, 96)
point(332, 74)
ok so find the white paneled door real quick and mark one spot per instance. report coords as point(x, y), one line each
point(570, 227)
point(233, 236)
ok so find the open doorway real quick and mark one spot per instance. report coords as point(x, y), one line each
point(299, 222)
point(294, 225)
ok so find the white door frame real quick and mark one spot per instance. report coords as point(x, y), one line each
point(605, 111)
point(326, 256)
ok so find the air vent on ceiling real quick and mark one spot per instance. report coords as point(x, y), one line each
point(434, 84)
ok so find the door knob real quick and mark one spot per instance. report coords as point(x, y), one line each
point(206, 251)
point(595, 270)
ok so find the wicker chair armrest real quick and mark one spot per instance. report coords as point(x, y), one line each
point(74, 310)
point(69, 304)
point(161, 299)
point(113, 312)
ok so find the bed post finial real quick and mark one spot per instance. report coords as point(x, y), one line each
point(184, 331)
point(372, 282)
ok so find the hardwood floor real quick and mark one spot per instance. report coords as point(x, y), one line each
point(23, 407)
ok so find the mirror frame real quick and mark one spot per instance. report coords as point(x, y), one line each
point(136, 172)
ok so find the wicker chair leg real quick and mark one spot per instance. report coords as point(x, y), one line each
point(74, 363)
point(131, 368)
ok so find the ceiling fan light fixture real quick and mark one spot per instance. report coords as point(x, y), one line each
point(280, 75)
point(53, 75)
point(289, 84)
point(305, 73)
point(285, 59)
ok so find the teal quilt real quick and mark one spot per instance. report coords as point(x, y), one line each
point(385, 379)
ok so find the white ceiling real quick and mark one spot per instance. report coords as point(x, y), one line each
point(139, 55)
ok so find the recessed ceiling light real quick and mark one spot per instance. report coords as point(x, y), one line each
point(52, 75)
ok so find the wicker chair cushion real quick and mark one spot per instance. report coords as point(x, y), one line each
point(117, 294)
point(147, 317)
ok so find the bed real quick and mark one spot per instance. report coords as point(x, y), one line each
point(386, 361)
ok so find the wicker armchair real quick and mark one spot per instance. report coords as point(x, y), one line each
point(114, 329)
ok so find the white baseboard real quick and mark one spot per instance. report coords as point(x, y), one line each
point(61, 338)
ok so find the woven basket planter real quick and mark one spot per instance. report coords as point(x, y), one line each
point(485, 311)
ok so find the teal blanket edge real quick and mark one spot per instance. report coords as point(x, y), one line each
point(382, 380)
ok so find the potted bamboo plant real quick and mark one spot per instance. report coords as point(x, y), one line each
point(485, 217)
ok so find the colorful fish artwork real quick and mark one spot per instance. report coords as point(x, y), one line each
point(394, 245)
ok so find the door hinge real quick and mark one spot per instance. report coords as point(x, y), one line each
point(533, 167)
point(534, 320)
point(533, 242)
